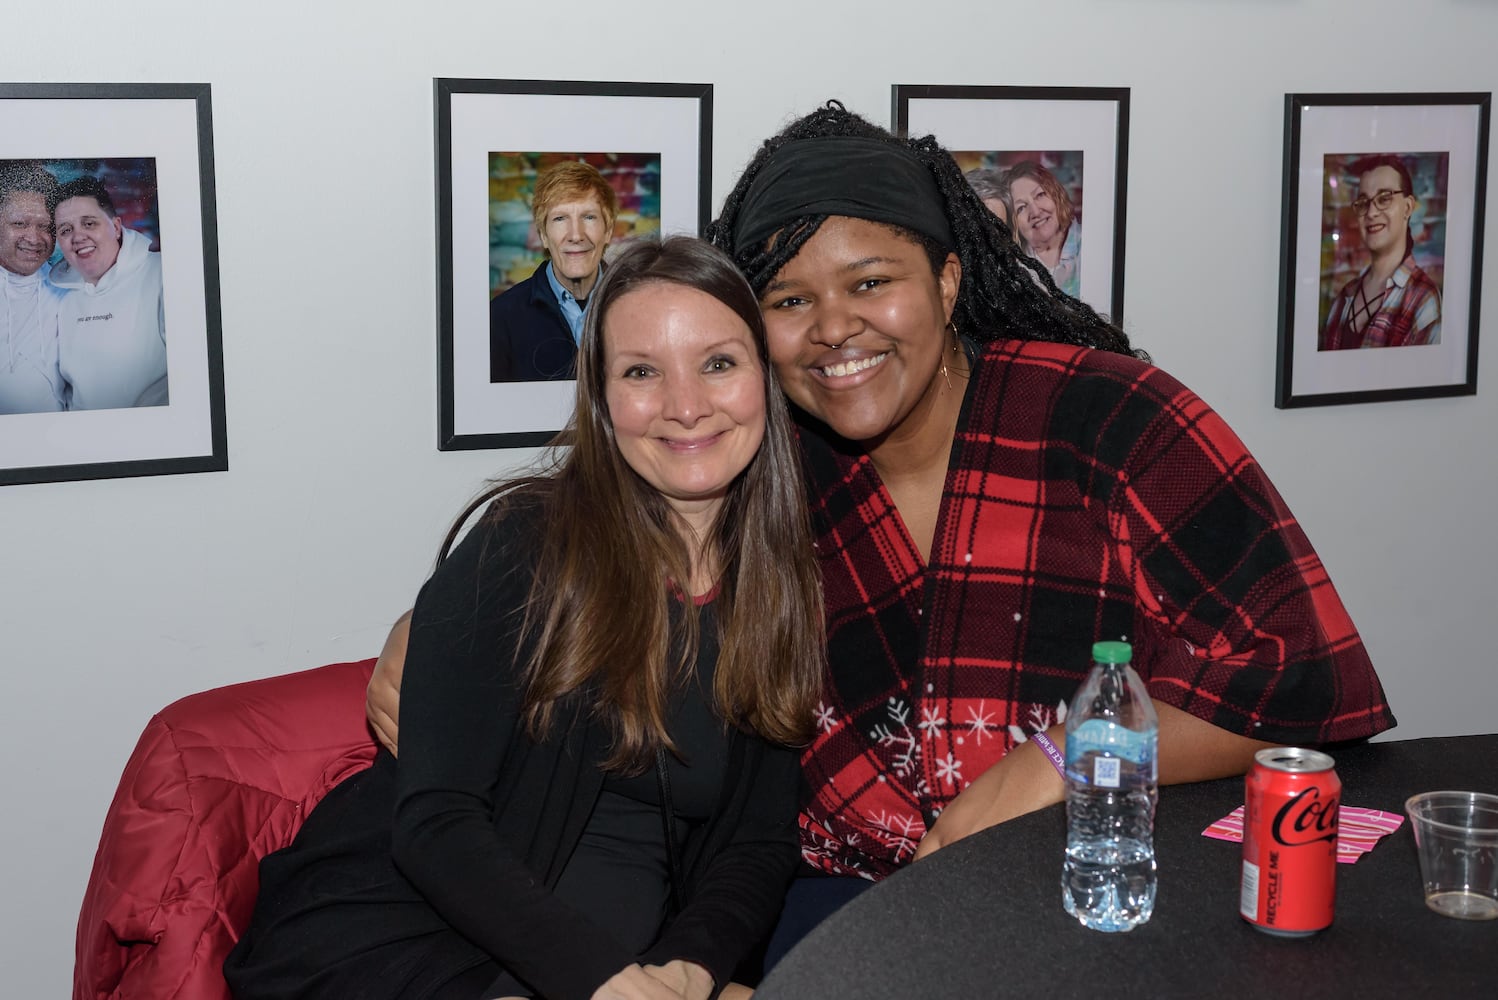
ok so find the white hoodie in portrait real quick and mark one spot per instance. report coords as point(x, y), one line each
point(111, 341)
point(29, 378)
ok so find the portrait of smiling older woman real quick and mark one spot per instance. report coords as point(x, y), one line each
point(1046, 223)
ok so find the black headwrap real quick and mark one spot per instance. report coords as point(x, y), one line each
point(842, 175)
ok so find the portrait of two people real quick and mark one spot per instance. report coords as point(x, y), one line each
point(83, 326)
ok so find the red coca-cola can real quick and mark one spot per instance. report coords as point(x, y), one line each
point(1290, 801)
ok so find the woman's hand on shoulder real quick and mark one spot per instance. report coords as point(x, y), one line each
point(1022, 782)
point(636, 983)
point(382, 699)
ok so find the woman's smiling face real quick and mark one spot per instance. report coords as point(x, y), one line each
point(1035, 213)
point(857, 326)
point(685, 392)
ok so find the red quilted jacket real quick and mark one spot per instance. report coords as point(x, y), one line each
point(217, 781)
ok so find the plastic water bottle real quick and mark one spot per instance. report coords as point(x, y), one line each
point(1112, 740)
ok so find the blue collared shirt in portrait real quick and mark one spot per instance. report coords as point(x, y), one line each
point(572, 310)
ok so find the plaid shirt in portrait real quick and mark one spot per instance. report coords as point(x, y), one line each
point(1089, 496)
point(1409, 314)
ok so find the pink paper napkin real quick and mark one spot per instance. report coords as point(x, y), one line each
point(1358, 830)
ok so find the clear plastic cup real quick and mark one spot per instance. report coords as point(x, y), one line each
point(1456, 834)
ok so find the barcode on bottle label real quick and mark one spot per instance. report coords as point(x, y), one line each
point(1248, 893)
point(1105, 772)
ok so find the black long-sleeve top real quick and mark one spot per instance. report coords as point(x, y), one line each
point(485, 820)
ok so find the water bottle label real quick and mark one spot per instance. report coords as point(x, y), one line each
point(1109, 740)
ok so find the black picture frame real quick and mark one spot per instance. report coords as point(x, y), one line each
point(475, 120)
point(1083, 131)
point(1422, 323)
point(154, 141)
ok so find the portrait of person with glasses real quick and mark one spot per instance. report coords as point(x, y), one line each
point(1392, 302)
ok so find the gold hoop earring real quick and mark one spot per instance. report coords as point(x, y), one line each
point(956, 350)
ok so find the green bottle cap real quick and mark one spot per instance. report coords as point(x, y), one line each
point(1112, 652)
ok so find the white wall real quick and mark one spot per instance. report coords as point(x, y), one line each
point(118, 596)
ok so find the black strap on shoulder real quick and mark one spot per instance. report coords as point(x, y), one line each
point(668, 826)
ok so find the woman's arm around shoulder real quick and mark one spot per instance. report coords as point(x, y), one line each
point(382, 698)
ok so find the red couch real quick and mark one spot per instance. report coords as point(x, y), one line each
point(217, 781)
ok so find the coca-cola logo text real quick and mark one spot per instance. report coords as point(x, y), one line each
point(1306, 819)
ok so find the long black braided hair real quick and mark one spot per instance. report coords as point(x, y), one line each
point(1004, 293)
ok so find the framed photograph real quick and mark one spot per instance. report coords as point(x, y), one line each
point(1381, 246)
point(1046, 160)
point(112, 356)
point(597, 164)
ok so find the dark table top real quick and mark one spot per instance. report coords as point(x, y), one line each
point(983, 917)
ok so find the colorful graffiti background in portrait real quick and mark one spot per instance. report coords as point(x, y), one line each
point(514, 249)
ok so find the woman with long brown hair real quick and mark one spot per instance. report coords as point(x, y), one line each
point(594, 798)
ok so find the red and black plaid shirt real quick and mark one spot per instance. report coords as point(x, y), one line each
point(1090, 496)
point(1409, 314)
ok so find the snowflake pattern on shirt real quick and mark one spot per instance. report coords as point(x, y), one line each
point(1089, 496)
